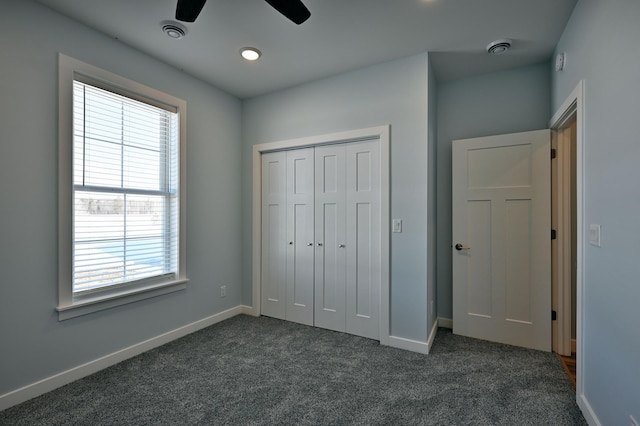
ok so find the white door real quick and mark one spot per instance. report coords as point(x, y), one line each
point(299, 223)
point(287, 235)
point(274, 234)
point(363, 238)
point(330, 202)
point(347, 284)
point(502, 239)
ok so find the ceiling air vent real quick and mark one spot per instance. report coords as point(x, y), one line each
point(498, 47)
point(173, 29)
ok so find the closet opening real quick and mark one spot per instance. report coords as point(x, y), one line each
point(321, 231)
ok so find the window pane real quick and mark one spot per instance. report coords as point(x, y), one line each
point(145, 216)
point(98, 216)
point(98, 264)
point(145, 126)
point(102, 163)
point(99, 240)
point(142, 169)
point(103, 117)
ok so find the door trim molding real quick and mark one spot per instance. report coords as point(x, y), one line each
point(574, 105)
point(382, 134)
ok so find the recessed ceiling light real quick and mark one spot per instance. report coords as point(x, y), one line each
point(173, 29)
point(250, 53)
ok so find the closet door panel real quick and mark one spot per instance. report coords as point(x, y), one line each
point(300, 236)
point(274, 244)
point(363, 239)
point(330, 238)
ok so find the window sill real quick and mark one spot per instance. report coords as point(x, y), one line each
point(101, 302)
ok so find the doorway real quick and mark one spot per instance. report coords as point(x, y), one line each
point(567, 125)
point(563, 246)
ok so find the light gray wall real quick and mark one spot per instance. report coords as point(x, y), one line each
point(502, 102)
point(601, 41)
point(392, 93)
point(34, 345)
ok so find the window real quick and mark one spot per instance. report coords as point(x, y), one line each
point(121, 189)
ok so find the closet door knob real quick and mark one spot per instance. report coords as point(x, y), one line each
point(310, 244)
point(340, 245)
point(290, 243)
point(319, 244)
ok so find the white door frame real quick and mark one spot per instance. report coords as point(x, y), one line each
point(382, 134)
point(574, 106)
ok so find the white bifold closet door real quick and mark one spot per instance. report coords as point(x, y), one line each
point(347, 199)
point(287, 235)
point(331, 249)
point(321, 237)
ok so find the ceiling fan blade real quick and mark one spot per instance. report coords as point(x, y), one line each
point(292, 9)
point(188, 10)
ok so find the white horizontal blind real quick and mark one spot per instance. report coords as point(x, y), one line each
point(125, 190)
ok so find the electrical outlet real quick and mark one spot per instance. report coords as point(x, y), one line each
point(223, 291)
point(633, 421)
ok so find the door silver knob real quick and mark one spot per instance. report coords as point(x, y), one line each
point(340, 245)
point(460, 247)
point(309, 244)
point(290, 243)
point(319, 244)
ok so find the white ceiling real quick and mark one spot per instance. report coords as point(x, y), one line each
point(341, 35)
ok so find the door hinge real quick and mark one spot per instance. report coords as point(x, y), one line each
point(554, 316)
point(553, 153)
point(553, 234)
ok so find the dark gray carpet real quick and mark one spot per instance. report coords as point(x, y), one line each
point(251, 371)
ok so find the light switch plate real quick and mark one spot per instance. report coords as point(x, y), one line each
point(397, 225)
point(594, 235)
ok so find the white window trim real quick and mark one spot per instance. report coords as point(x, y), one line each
point(68, 305)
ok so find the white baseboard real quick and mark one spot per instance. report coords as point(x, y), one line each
point(432, 335)
point(445, 322)
point(50, 383)
point(249, 310)
point(408, 344)
point(587, 411)
point(414, 345)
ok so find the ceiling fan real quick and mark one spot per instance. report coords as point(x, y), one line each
point(294, 10)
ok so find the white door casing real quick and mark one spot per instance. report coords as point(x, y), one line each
point(501, 219)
